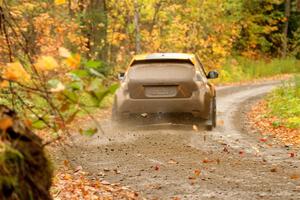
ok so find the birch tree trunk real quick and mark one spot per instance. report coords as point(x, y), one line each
point(286, 27)
point(137, 27)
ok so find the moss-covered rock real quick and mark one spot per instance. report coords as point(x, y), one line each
point(25, 172)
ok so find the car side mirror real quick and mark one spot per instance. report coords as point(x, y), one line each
point(212, 75)
point(121, 76)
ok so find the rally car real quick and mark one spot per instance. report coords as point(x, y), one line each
point(166, 83)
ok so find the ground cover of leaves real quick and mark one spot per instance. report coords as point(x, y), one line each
point(76, 185)
point(261, 120)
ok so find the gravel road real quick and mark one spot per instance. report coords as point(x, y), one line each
point(164, 158)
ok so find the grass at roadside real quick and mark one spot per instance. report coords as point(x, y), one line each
point(241, 69)
point(279, 113)
point(284, 103)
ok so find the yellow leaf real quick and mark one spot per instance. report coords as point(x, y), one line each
point(63, 52)
point(5, 123)
point(67, 177)
point(15, 72)
point(4, 84)
point(73, 61)
point(28, 122)
point(46, 63)
point(60, 2)
point(60, 87)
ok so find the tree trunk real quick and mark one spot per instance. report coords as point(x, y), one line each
point(99, 33)
point(137, 27)
point(298, 5)
point(94, 21)
point(286, 27)
point(154, 19)
point(70, 8)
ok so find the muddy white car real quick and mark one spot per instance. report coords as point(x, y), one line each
point(166, 83)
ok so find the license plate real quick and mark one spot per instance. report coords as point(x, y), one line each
point(160, 91)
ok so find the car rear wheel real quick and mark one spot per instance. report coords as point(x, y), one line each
point(114, 113)
point(212, 122)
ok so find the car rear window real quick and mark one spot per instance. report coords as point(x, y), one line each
point(162, 71)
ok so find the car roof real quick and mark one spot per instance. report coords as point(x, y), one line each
point(164, 56)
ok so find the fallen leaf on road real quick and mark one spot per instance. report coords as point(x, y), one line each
point(274, 170)
point(207, 161)
point(195, 127)
point(263, 140)
point(295, 176)
point(292, 155)
point(197, 172)
point(104, 182)
point(66, 163)
point(171, 161)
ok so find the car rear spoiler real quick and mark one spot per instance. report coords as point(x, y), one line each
point(186, 61)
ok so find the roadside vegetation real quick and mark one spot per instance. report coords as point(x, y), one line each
point(278, 114)
point(241, 69)
point(284, 103)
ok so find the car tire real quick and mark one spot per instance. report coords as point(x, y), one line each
point(214, 116)
point(114, 113)
point(212, 122)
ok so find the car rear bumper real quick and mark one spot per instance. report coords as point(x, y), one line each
point(194, 105)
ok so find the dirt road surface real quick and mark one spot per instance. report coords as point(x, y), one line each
point(165, 160)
